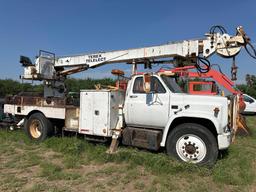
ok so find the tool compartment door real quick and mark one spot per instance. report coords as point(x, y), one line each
point(94, 107)
point(101, 113)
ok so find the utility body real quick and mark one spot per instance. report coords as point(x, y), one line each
point(151, 113)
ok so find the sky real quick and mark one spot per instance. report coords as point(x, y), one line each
point(69, 27)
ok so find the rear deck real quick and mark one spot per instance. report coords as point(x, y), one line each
point(24, 104)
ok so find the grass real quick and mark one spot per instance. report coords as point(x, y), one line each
point(71, 164)
point(55, 172)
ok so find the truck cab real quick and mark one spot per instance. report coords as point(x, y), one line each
point(191, 127)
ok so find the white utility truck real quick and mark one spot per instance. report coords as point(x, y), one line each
point(151, 113)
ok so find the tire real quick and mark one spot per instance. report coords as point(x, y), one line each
point(37, 127)
point(193, 143)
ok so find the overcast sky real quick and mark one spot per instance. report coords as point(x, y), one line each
point(68, 27)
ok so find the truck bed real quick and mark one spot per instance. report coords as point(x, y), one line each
point(35, 100)
point(23, 105)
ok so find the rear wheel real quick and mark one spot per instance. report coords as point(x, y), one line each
point(38, 127)
point(194, 143)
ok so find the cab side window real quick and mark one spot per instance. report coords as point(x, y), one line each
point(156, 86)
point(138, 85)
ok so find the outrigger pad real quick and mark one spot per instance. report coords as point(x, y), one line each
point(242, 128)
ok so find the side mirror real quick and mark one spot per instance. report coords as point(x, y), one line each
point(147, 82)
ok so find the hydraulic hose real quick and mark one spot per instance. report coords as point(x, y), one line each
point(206, 65)
point(217, 27)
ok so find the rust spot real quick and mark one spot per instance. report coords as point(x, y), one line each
point(38, 101)
point(138, 137)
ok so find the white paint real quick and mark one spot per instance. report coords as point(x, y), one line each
point(147, 110)
point(21, 123)
point(50, 112)
point(138, 113)
point(200, 106)
point(99, 111)
point(183, 49)
point(197, 144)
point(224, 140)
point(250, 104)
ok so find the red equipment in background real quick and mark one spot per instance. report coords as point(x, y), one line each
point(202, 88)
point(213, 74)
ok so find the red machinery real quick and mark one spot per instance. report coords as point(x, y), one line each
point(215, 75)
point(208, 87)
point(202, 88)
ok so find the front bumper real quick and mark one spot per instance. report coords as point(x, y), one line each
point(224, 140)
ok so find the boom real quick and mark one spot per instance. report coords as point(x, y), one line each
point(181, 49)
point(49, 67)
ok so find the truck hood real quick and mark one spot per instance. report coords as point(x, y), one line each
point(202, 100)
point(204, 106)
point(205, 103)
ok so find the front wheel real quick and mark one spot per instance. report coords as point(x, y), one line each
point(194, 143)
point(38, 127)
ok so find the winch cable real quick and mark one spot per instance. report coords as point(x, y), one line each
point(252, 53)
point(250, 49)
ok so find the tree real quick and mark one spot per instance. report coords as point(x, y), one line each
point(12, 87)
point(250, 87)
point(74, 85)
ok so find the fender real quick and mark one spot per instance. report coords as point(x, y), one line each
point(201, 116)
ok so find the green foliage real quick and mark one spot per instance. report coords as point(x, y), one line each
point(70, 146)
point(55, 172)
point(241, 174)
point(248, 90)
point(85, 152)
point(74, 85)
point(12, 87)
point(250, 86)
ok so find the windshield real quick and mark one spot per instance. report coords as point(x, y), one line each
point(171, 83)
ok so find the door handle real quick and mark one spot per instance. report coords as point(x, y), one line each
point(133, 96)
point(175, 106)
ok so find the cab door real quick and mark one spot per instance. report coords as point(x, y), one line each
point(147, 109)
